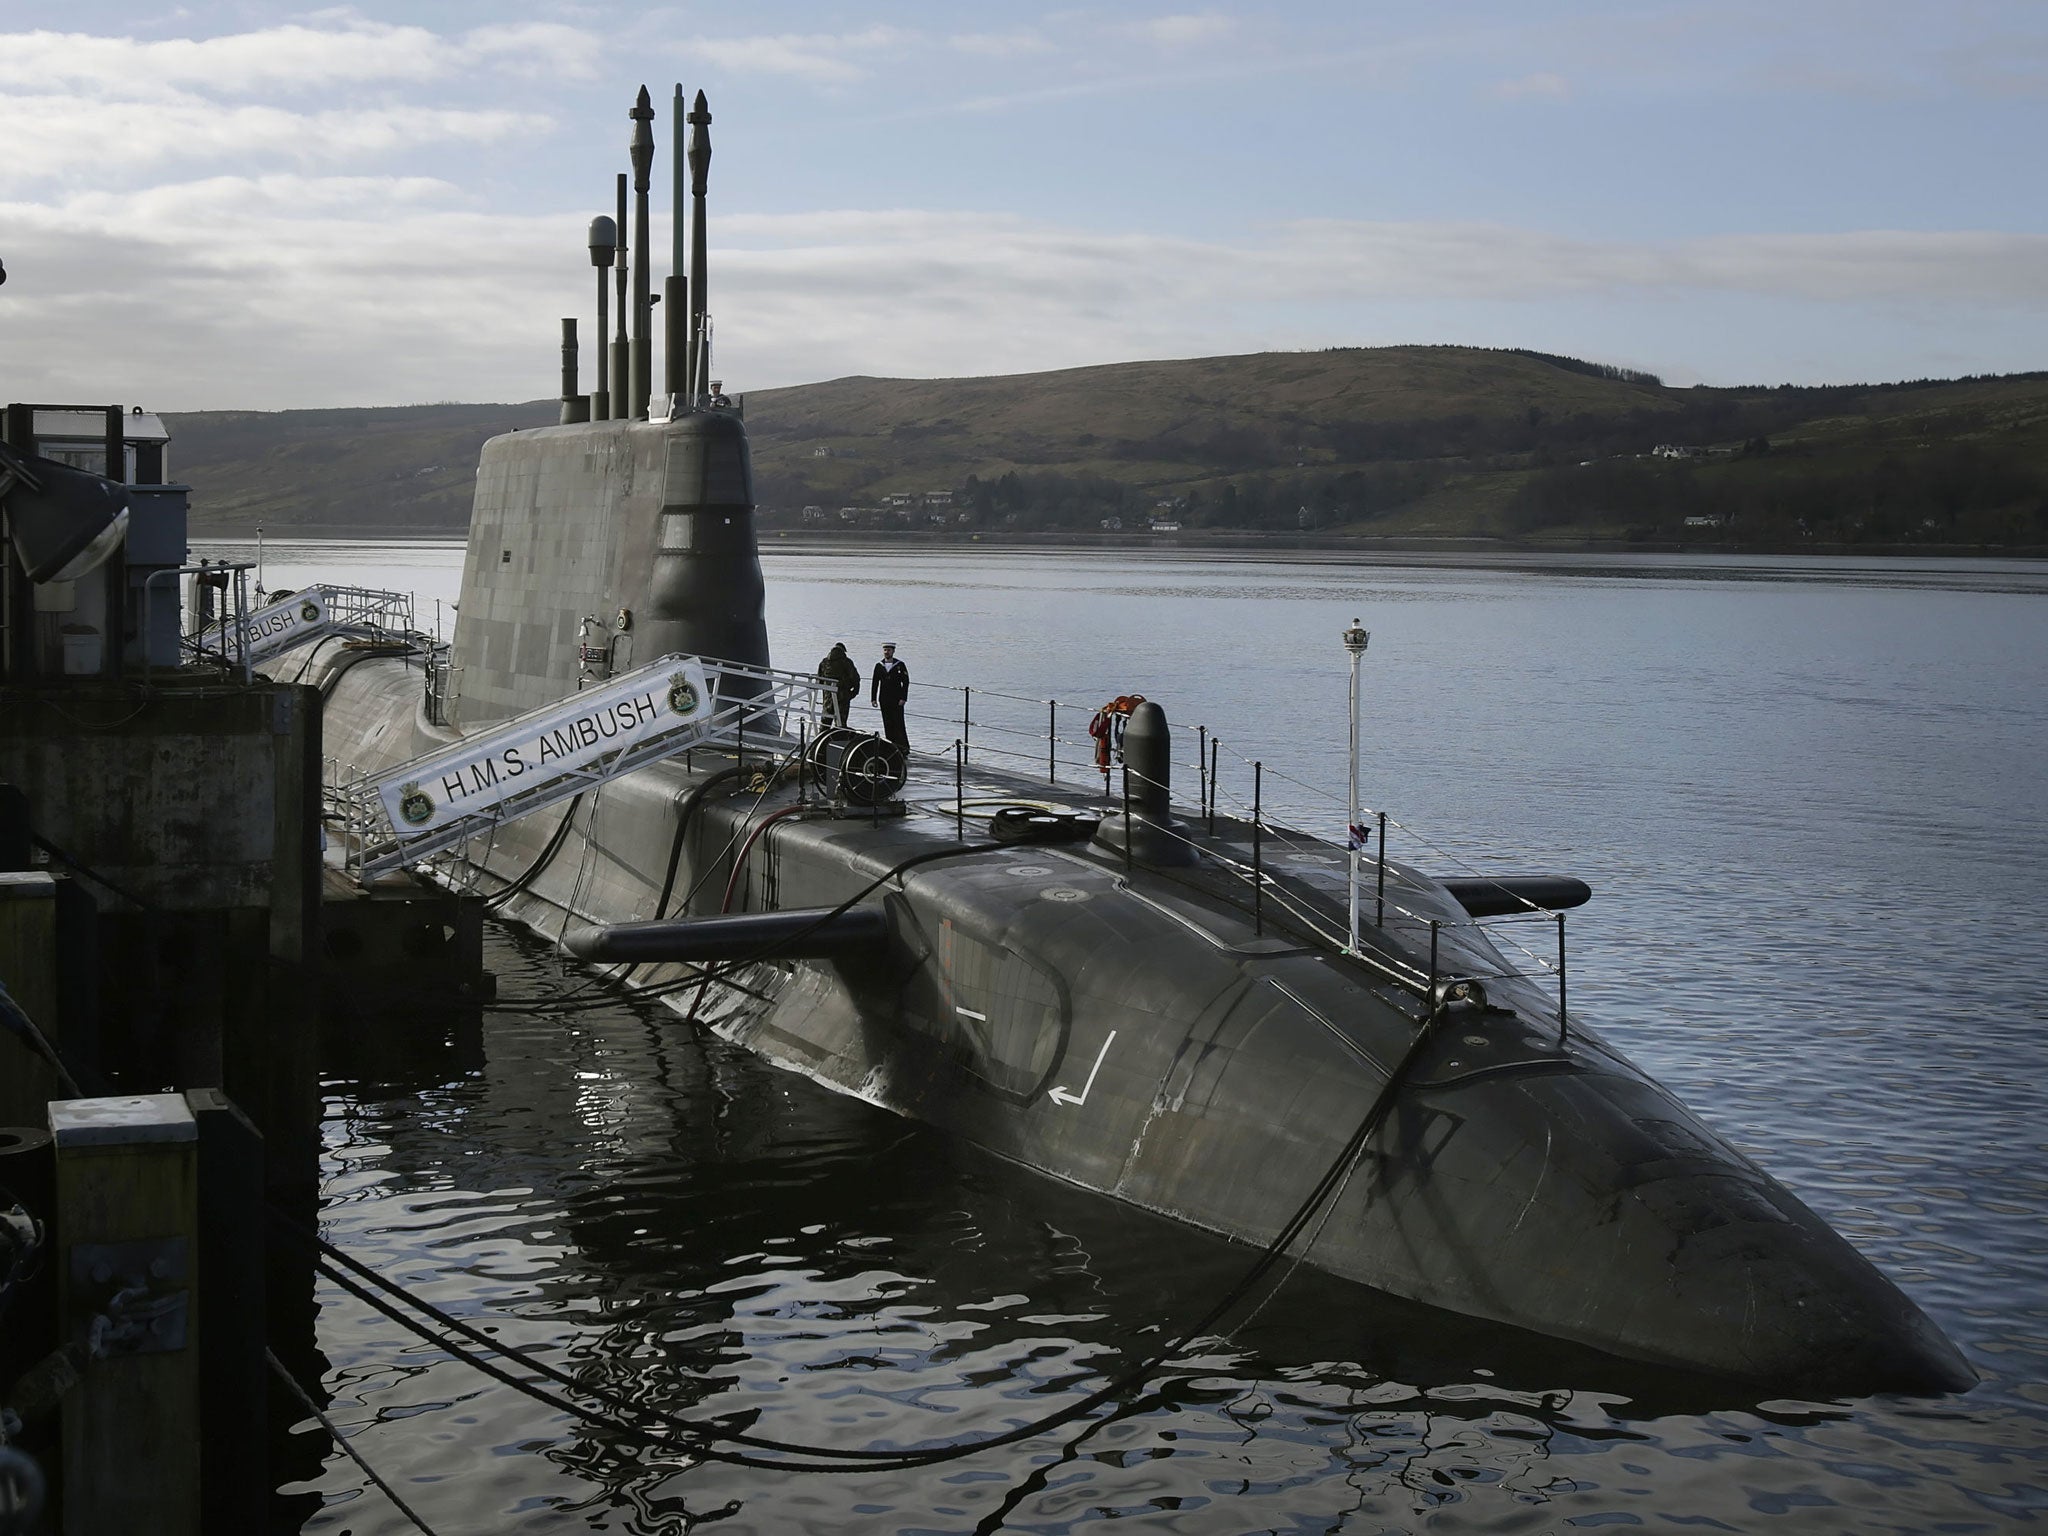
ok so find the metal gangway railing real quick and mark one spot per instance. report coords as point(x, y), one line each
point(300, 617)
point(409, 812)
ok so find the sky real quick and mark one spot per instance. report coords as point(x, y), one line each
point(255, 206)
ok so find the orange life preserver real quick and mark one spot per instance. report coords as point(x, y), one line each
point(1108, 727)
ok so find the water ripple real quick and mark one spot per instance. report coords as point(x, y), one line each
point(1807, 798)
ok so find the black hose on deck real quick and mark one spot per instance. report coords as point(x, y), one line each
point(532, 871)
point(686, 811)
point(355, 659)
point(702, 1439)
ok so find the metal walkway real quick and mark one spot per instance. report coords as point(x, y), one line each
point(304, 616)
point(535, 760)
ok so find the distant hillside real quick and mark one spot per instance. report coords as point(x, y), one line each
point(1373, 442)
point(398, 470)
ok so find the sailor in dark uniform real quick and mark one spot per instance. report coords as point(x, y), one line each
point(838, 669)
point(890, 687)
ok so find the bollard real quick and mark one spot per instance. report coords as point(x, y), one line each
point(128, 1211)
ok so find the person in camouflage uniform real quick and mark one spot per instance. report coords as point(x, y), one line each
point(838, 669)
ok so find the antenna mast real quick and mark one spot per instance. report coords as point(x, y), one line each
point(700, 168)
point(643, 307)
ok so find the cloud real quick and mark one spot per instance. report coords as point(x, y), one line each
point(1321, 258)
point(538, 50)
point(284, 290)
point(907, 292)
point(298, 290)
point(1183, 31)
point(1000, 45)
point(50, 136)
point(829, 58)
point(1875, 50)
point(1493, 262)
point(1550, 87)
point(285, 58)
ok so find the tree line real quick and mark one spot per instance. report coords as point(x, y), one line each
point(1961, 493)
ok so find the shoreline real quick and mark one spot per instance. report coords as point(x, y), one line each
point(1192, 542)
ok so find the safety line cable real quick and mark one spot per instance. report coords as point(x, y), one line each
point(339, 1439)
point(15, 1018)
point(79, 866)
point(1293, 839)
point(747, 829)
point(1455, 859)
point(704, 1438)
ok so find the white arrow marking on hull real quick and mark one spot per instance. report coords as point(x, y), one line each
point(1064, 1096)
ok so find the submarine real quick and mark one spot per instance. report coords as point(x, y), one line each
point(1134, 997)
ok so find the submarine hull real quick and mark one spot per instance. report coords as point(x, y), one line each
point(1119, 1021)
point(1130, 1032)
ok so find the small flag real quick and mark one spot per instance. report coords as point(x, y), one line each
point(1359, 834)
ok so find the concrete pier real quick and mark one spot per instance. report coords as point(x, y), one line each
point(188, 810)
point(398, 939)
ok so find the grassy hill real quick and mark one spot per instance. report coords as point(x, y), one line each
point(1374, 442)
point(398, 470)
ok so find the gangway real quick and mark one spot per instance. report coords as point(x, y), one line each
point(302, 617)
point(419, 808)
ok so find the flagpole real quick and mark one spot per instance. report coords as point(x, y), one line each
point(1355, 641)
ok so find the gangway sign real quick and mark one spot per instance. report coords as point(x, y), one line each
point(312, 612)
point(513, 769)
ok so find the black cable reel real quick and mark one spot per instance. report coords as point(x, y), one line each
point(854, 767)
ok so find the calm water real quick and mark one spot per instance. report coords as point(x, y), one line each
point(1808, 796)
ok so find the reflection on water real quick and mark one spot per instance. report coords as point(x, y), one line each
point(1808, 803)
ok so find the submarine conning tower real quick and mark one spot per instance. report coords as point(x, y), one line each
point(601, 544)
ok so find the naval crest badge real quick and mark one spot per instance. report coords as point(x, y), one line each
point(309, 611)
point(683, 697)
point(415, 804)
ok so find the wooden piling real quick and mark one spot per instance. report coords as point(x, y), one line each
point(234, 1385)
point(128, 1251)
point(28, 967)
